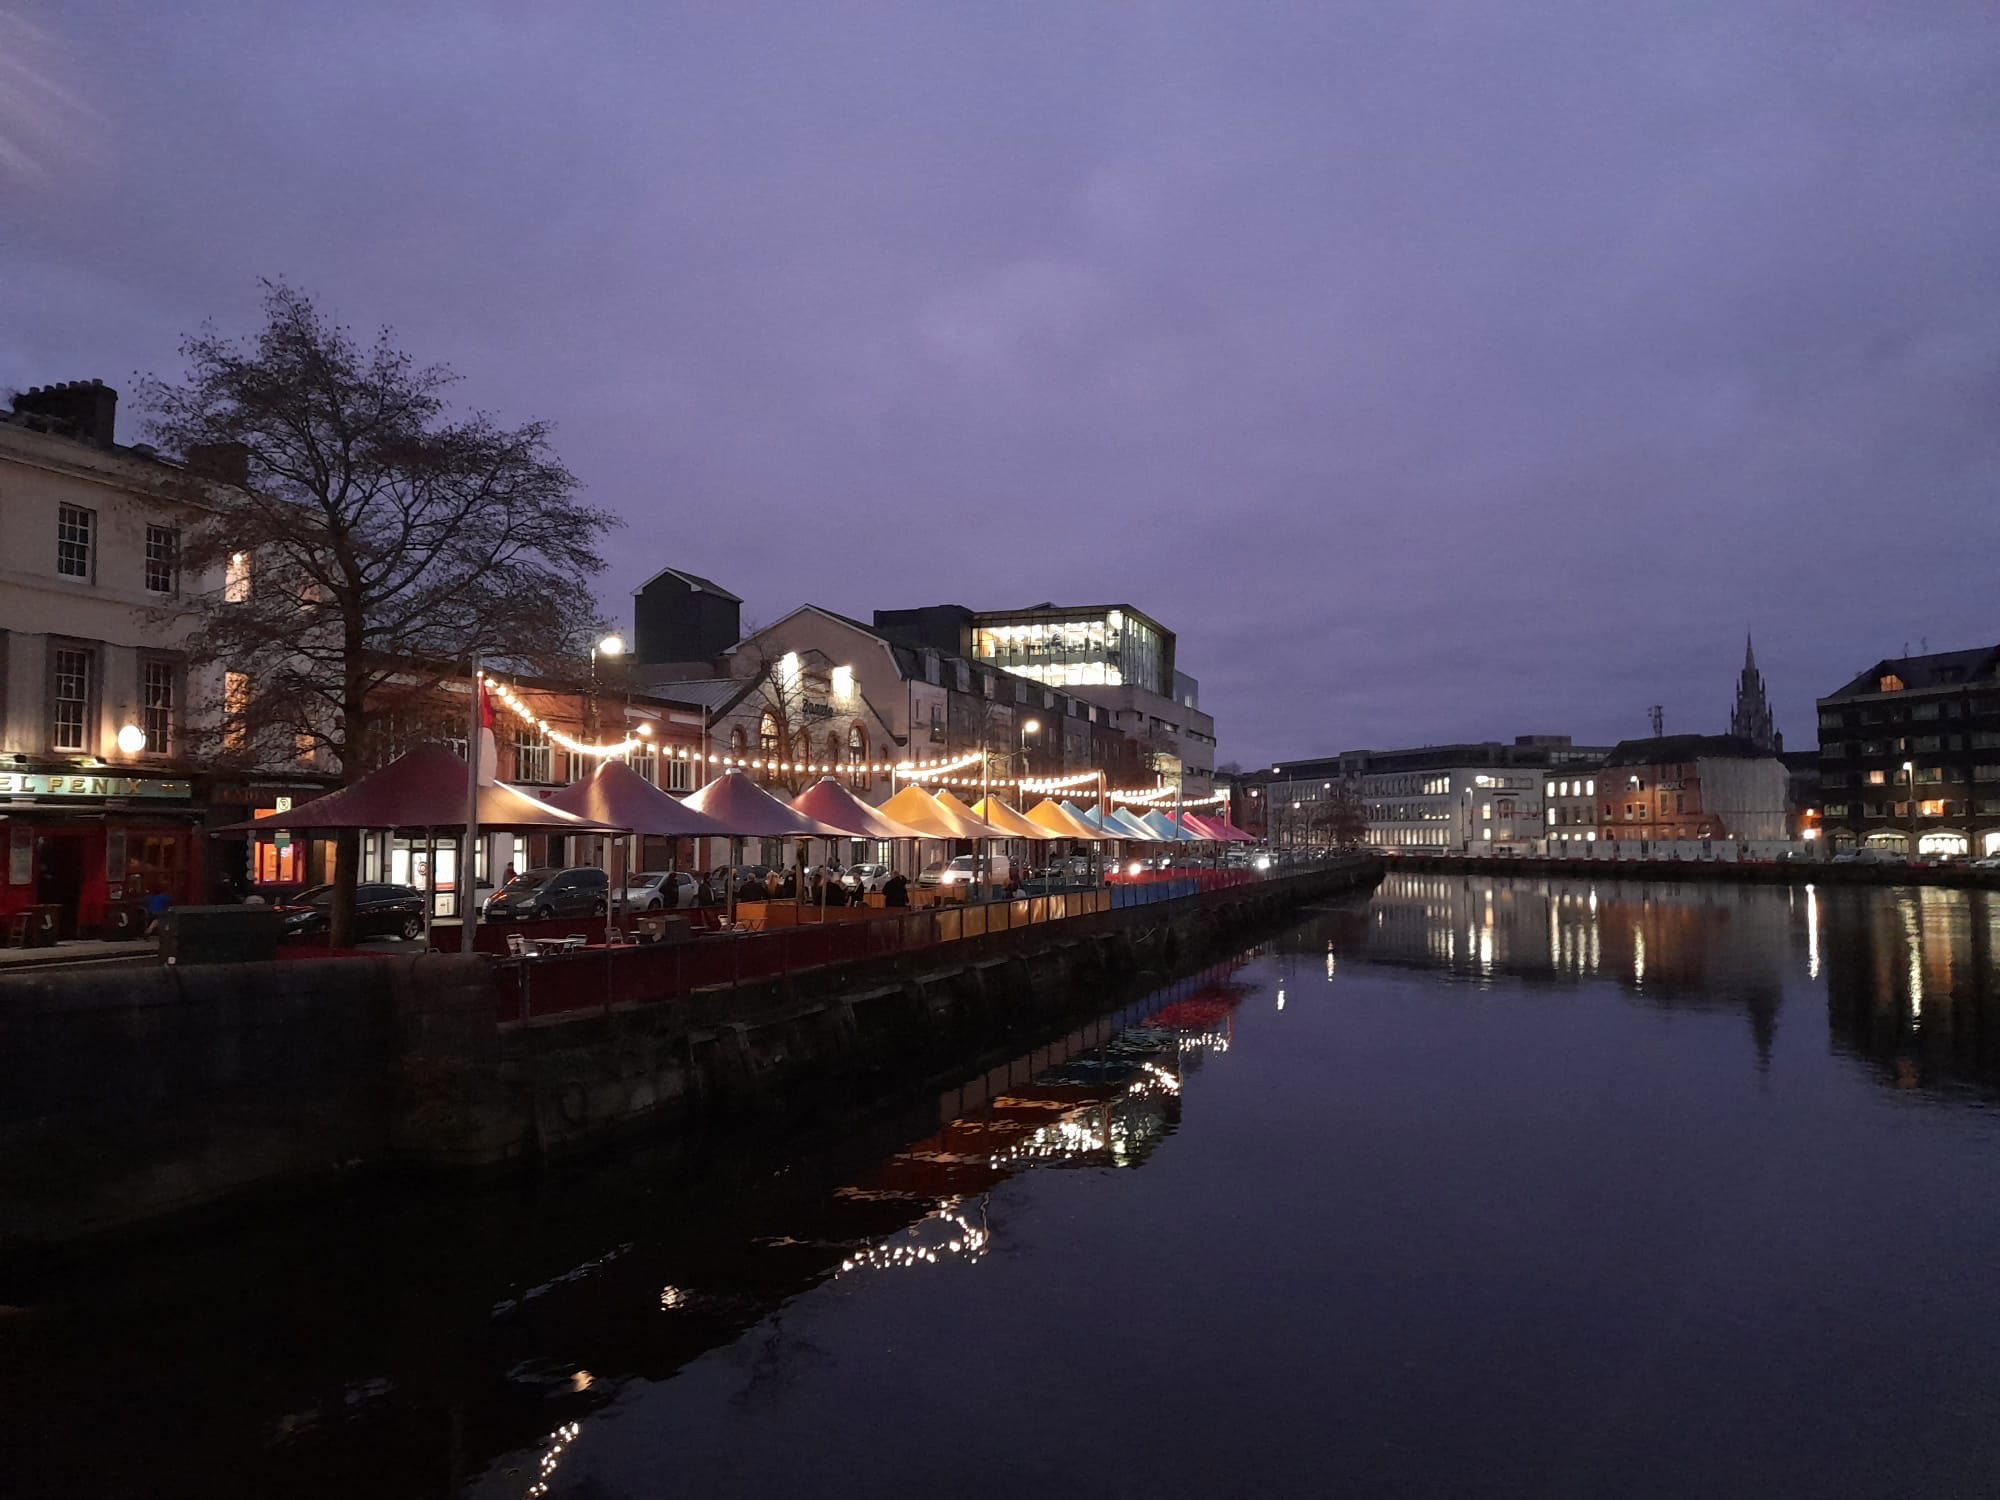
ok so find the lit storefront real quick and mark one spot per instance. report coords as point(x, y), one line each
point(83, 843)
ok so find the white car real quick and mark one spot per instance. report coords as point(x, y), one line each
point(997, 868)
point(660, 890)
point(867, 879)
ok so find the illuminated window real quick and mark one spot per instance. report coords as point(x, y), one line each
point(736, 743)
point(767, 736)
point(1889, 683)
point(646, 761)
point(235, 704)
point(1486, 833)
point(236, 579)
point(843, 682)
point(857, 758)
point(1590, 787)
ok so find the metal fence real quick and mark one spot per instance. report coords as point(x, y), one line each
point(599, 978)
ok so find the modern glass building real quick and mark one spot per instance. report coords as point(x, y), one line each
point(1084, 646)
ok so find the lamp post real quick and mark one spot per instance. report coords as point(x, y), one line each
point(610, 645)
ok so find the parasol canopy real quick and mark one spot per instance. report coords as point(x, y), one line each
point(957, 809)
point(998, 814)
point(1122, 825)
point(1060, 820)
point(742, 809)
point(1164, 827)
point(827, 801)
point(617, 795)
point(424, 789)
point(916, 808)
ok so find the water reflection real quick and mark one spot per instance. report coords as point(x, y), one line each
point(1908, 971)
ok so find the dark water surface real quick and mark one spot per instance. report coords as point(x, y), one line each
point(1480, 1187)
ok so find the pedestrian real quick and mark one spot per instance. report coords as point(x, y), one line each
point(896, 891)
point(156, 910)
point(507, 875)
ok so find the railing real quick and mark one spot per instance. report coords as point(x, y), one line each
point(600, 978)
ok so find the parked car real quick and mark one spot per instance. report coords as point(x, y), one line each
point(866, 878)
point(380, 910)
point(660, 890)
point(537, 895)
point(994, 870)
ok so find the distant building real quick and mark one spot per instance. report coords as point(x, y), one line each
point(1909, 752)
point(1436, 799)
point(1751, 718)
point(685, 619)
point(1111, 655)
point(1569, 806)
point(1682, 787)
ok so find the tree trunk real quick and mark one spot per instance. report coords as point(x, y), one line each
point(347, 846)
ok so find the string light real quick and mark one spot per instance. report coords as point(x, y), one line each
point(505, 694)
point(1059, 783)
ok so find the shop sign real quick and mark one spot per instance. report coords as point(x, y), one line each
point(88, 786)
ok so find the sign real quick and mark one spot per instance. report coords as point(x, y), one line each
point(88, 786)
point(814, 710)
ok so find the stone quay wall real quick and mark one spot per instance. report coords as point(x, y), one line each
point(137, 1094)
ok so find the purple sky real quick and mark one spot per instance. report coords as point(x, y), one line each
point(1437, 371)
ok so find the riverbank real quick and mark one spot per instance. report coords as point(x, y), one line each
point(1799, 872)
point(137, 1095)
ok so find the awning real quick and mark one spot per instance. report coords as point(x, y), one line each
point(957, 809)
point(827, 801)
point(992, 810)
point(1165, 828)
point(742, 809)
point(1133, 828)
point(424, 789)
point(916, 808)
point(1060, 820)
point(616, 794)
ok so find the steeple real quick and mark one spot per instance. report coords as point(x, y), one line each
point(1751, 719)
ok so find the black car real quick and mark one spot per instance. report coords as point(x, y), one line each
point(380, 910)
point(537, 895)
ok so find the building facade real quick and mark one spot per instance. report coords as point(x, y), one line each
point(1435, 799)
point(1687, 787)
point(1112, 656)
point(103, 804)
point(1909, 756)
point(1569, 806)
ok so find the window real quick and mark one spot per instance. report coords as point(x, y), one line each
point(1836, 809)
point(1925, 742)
point(857, 758)
point(72, 674)
point(737, 742)
point(236, 579)
point(235, 704)
point(1889, 683)
point(680, 775)
point(158, 688)
point(1590, 787)
point(1923, 710)
point(646, 761)
point(767, 736)
point(163, 559)
point(1878, 778)
point(534, 759)
point(75, 528)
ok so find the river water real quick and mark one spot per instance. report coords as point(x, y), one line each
point(1474, 1187)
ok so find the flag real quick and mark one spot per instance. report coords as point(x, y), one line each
point(489, 749)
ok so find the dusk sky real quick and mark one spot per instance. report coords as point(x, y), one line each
point(1437, 371)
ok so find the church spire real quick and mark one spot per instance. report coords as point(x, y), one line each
point(1752, 718)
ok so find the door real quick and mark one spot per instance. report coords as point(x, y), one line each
point(59, 876)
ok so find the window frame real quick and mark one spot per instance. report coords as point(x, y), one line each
point(65, 511)
point(93, 654)
point(176, 669)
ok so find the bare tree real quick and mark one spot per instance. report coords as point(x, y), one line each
point(361, 544)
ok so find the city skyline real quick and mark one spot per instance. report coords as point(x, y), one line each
point(1437, 378)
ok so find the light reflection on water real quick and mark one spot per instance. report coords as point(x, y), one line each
point(1545, 1187)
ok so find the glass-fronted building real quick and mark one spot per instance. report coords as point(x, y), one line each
point(1087, 646)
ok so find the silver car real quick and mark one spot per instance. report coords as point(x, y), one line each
point(660, 890)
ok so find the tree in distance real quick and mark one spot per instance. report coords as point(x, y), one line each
point(359, 544)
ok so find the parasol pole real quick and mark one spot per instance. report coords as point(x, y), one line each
point(468, 886)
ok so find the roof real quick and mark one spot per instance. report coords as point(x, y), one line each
point(1941, 669)
point(702, 692)
point(1677, 749)
point(694, 581)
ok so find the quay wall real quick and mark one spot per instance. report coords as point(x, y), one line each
point(139, 1094)
point(1776, 872)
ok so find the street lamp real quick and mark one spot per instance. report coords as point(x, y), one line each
point(611, 645)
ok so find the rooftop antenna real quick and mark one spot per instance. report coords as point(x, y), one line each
point(1658, 714)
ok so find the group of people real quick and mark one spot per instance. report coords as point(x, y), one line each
point(821, 886)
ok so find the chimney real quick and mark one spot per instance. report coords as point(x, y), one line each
point(225, 463)
point(86, 410)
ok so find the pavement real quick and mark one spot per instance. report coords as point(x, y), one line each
point(82, 951)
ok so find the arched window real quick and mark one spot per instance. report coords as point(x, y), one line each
point(736, 744)
point(857, 758)
point(767, 743)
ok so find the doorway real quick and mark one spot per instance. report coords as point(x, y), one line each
point(59, 877)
